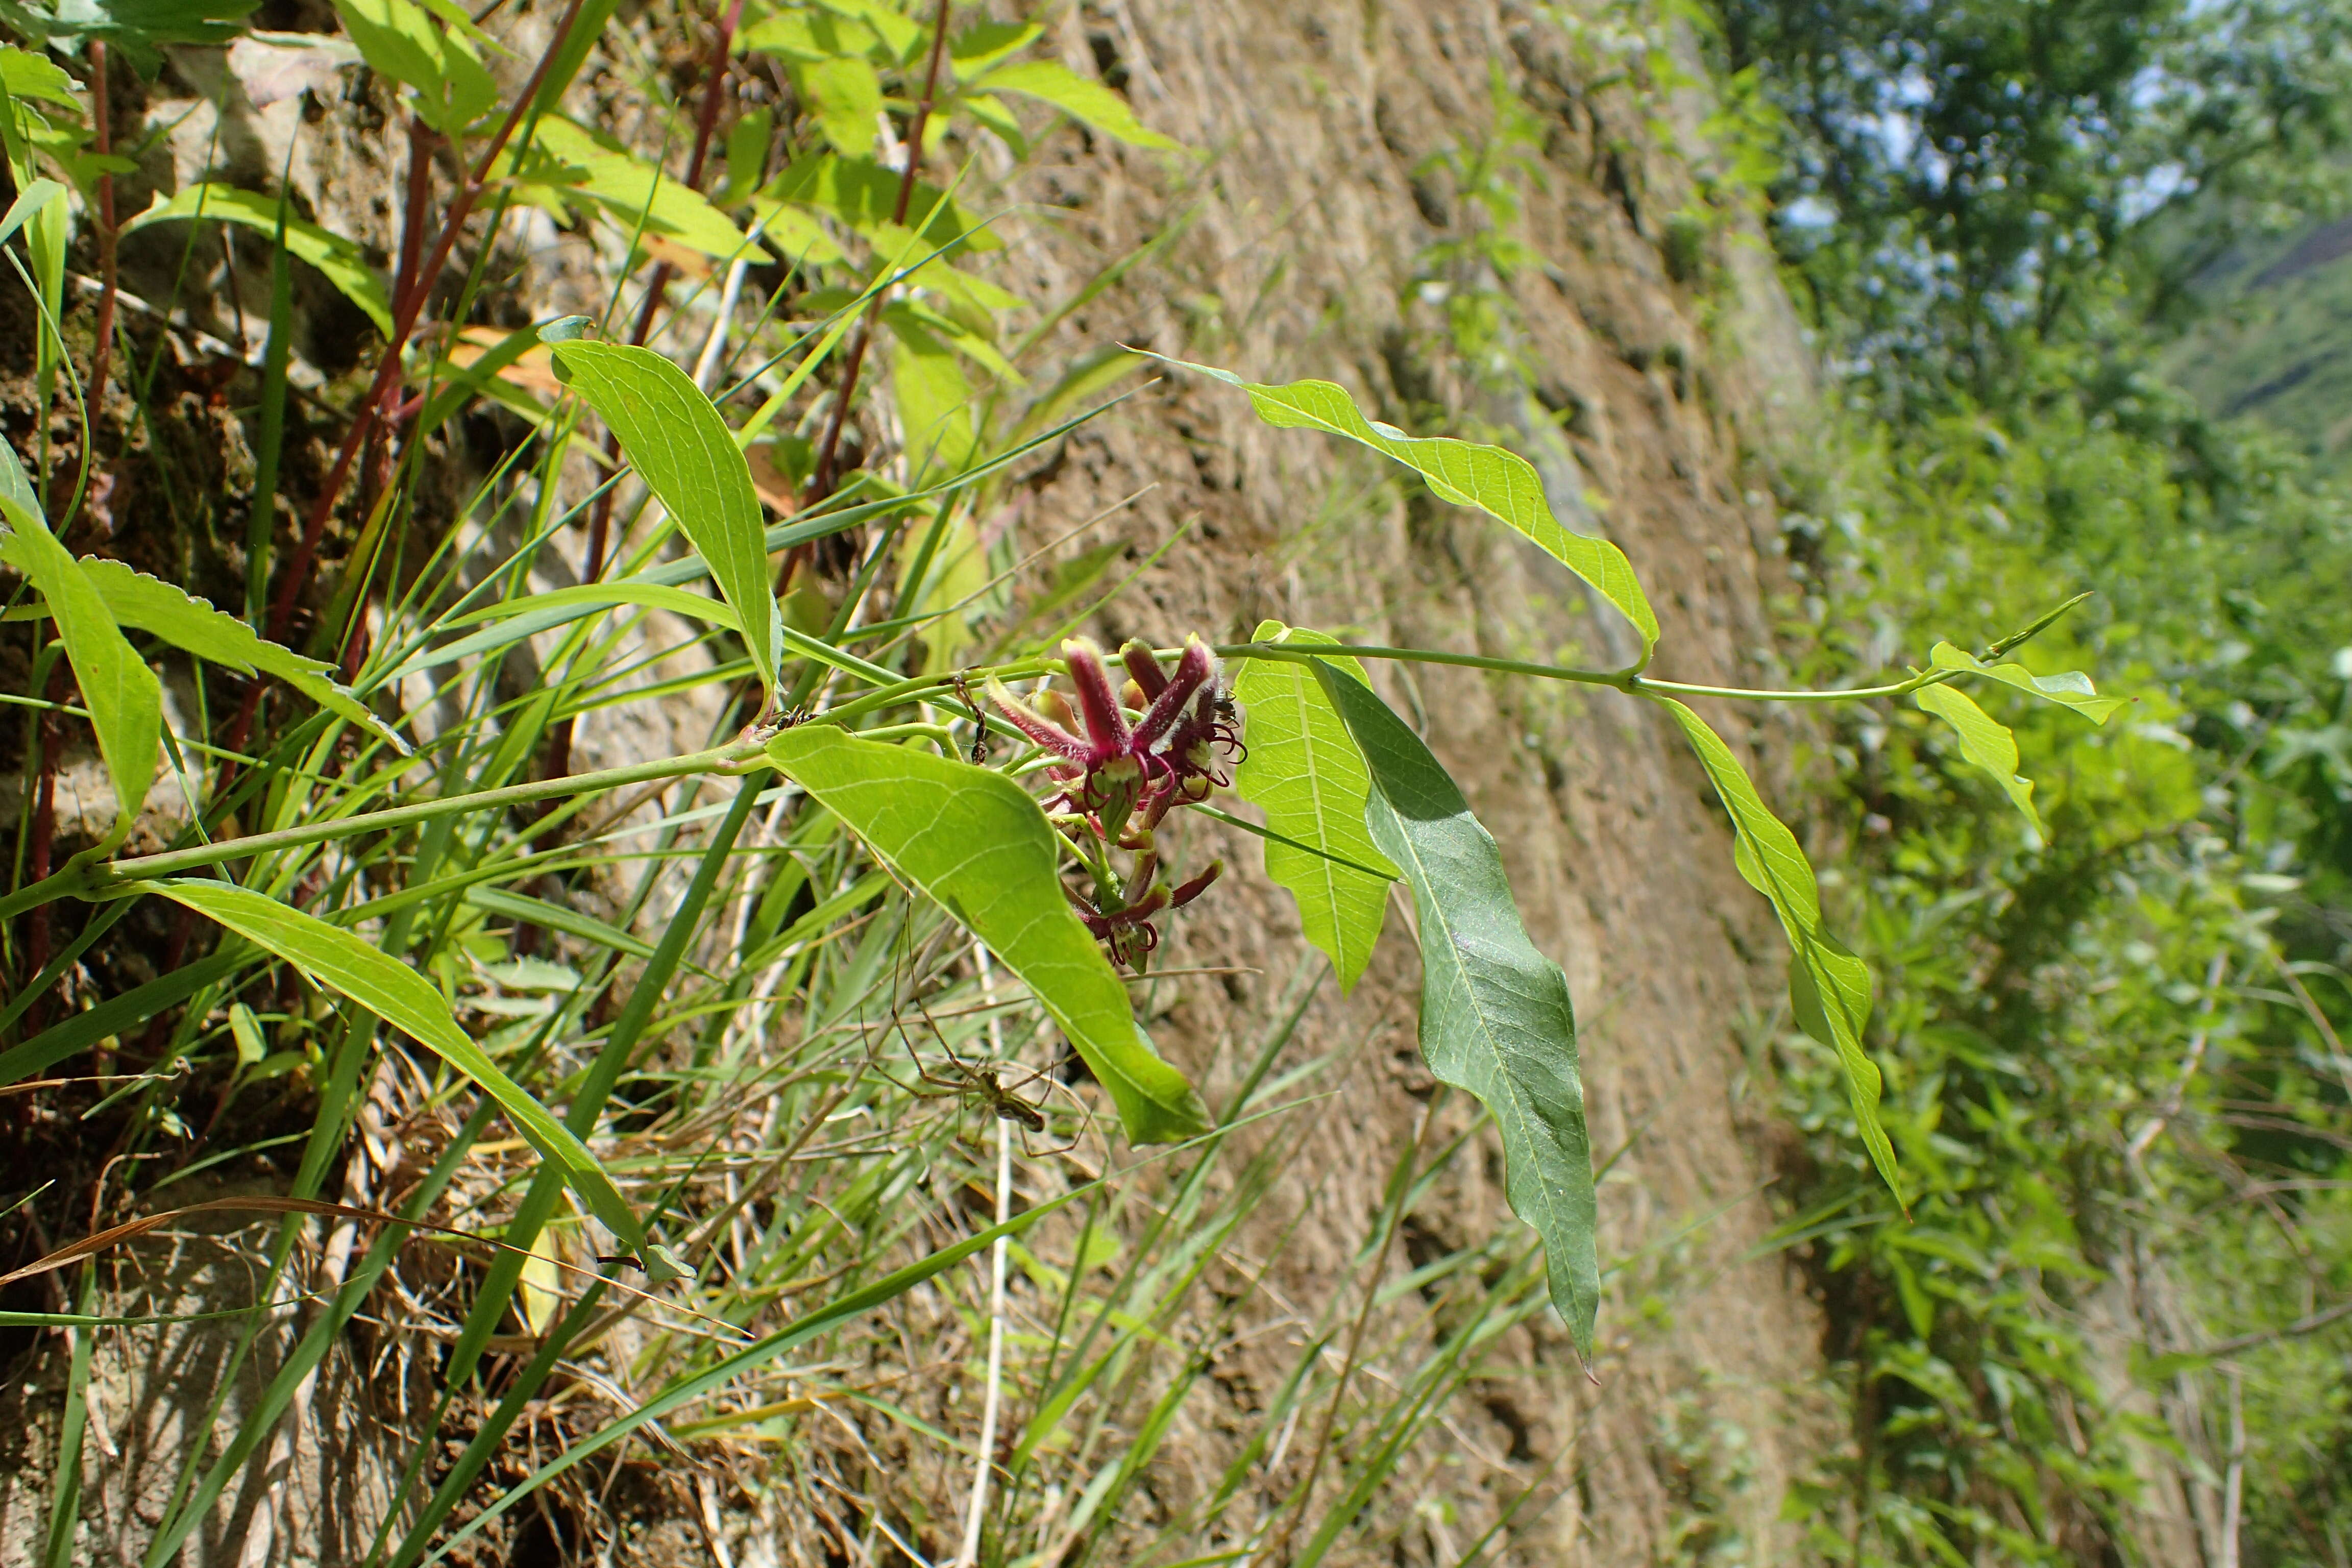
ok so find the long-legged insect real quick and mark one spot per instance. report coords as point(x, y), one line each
point(981, 1085)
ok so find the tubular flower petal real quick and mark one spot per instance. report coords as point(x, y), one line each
point(1039, 728)
point(1098, 702)
point(1143, 667)
point(1192, 672)
point(1186, 892)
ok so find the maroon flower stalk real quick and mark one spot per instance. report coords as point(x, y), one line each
point(1125, 777)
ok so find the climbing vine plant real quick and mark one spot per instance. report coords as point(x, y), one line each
point(1023, 797)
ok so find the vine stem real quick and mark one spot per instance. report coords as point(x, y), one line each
point(1631, 682)
point(120, 876)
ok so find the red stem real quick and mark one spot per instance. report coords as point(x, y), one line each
point(403, 321)
point(821, 480)
point(600, 514)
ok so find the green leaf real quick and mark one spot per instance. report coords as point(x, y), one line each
point(1984, 742)
point(934, 400)
point(1080, 98)
point(687, 456)
point(339, 260)
point(863, 194)
point(2071, 689)
point(975, 841)
point(1829, 987)
point(979, 47)
point(406, 1000)
point(1501, 484)
point(1306, 773)
point(844, 95)
point(399, 40)
point(635, 192)
point(1495, 1019)
point(28, 75)
point(193, 626)
point(125, 698)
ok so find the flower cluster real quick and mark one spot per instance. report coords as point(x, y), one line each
point(1124, 760)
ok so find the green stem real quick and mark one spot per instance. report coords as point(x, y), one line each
point(99, 882)
point(1626, 680)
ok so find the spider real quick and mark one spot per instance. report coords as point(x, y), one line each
point(979, 720)
point(977, 1085)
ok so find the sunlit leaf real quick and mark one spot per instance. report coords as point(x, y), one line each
point(1304, 771)
point(605, 596)
point(339, 260)
point(1080, 98)
point(1503, 485)
point(639, 197)
point(1983, 741)
point(193, 626)
point(356, 968)
point(400, 42)
point(1496, 1020)
point(2071, 689)
point(975, 841)
point(845, 96)
point(125, 698)
point(1829, 987)
point(688, 458)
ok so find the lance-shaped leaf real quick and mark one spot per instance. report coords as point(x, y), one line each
point(1495, 1014)
point(1305, 772)
point(1503, 485)
point(379, 983)
point(125, 698)
point(976, 842)
point(339, 261)
point(1829, 987)
point(688, 458)
point(1984, 741)
point(1076, 97)
point(2072, 688)
point(193, 626)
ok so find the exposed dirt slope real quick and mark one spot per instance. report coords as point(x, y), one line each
point(1652, 398)
point(1300, 258)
